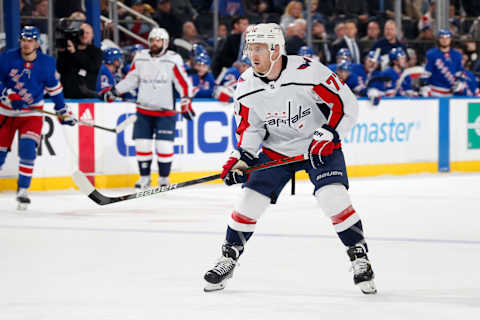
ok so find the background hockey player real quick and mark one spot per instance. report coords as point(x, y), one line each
point(345, 54)
point(443, 71)
point(153, 71)
point(108, 75)
point(226, 88)
point(290, 106)
point(25, 74)
point(351, 79)
point(202, 79)
point(399, 85)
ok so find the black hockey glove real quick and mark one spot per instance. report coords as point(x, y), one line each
point(233, 169)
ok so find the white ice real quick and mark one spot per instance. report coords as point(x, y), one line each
point(67, 258)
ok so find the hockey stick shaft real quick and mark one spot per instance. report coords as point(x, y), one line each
point(86, 123)
point(86, 187)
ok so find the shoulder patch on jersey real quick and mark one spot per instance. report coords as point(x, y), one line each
point(305, 64)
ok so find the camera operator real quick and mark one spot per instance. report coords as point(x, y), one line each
point(79, 62)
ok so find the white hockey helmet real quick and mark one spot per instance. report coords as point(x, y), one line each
point(160, 33)
point(268, 33)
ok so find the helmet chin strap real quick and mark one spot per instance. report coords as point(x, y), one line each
point(272, 62)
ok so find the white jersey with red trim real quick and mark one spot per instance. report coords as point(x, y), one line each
point(283, 114)
point(155, 77)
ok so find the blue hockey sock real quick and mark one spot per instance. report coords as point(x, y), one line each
point(144, 167)
point(164, 168)
point(353, 235)
point(27, 151)
point(237, 238)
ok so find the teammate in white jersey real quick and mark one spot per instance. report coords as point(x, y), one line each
point(154, 71)
point(289, 106)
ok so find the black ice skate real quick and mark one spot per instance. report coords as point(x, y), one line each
point(223, 269)
point(362, 270)
point(22, 199)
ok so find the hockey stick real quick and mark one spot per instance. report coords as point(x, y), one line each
point(88, 189)
point(407, 72)
point(128, 121)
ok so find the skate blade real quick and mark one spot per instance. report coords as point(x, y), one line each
point(209, 287)
point(22, 206)
point(368, 287)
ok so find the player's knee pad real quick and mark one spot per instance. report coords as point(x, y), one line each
point(335, 202)
point(143, 149)
point(248, 210)
point(164, 150)
point(27, 149)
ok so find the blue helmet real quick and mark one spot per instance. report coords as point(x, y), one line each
point(30, 32)
point(444, 33)
point(395, 53)
point(197, 49)
point(345, 65)
point(371, 56)
point(131, 49)
point(245, 60)
point(202, 58)
point(344, 53)
point(110, 55)
point(305, 51)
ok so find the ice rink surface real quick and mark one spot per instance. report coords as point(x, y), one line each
point(67, 258)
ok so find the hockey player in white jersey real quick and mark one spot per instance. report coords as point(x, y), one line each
point(289, 106)
point(154, 71)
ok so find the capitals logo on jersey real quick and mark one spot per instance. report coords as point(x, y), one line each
point(305, 64)
point(291, 117)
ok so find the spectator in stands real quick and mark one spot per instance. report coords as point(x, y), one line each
point(184, 10)
point(320, 45)
point(293, 11)
point(222, 34)
point(471, 7)
point(78, 17)
point(229, 7)
point(232, 48)
point(295, 39)
point(40, 11)
point(78, 65)
point(141, 29)
point(429, 18)
point(339, 33)
point(25, 8)
point(65, 8)
point(389, 41)
point(470, 51)
point(424, 42)
point(190, 37)
point(203, 81)
point(350, 42)
point(316, 16)
point(257, 10)
point(372, 36)
point(353, 9)
point(167, 19)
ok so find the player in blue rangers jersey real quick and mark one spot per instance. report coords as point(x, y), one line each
point(353, 80)
point(345, 54)
point(398, 63)
point(443, 70)
point(107, 76)
point(129, 53)
point(203, 81)
point(25, 74)
point(225, 90)
point(372, 67)
point(289, 105)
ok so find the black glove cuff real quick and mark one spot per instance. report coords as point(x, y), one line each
point(247, 157)
point(336, 137)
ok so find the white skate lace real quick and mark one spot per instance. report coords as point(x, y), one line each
point(359, 266)
point(224, 265)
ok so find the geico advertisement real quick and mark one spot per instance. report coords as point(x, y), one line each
point(56, 152)
point(464, 129)
point(397, 131)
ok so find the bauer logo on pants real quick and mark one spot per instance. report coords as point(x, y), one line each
point(473, 126)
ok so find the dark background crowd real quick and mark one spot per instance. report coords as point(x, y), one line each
point(190, 22)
